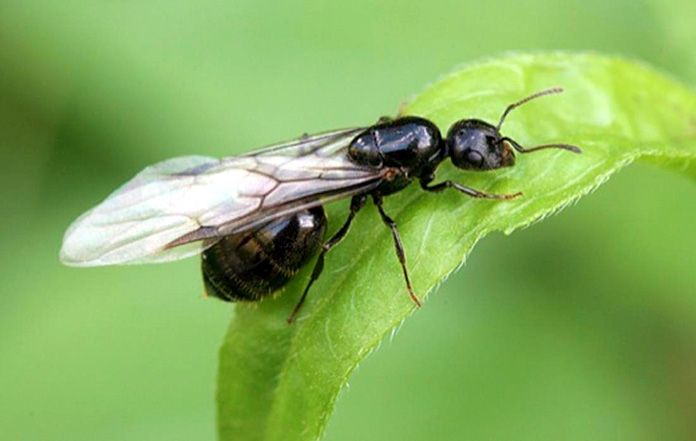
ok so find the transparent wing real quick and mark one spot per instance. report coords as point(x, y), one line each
point(322, 144)
point(179, 207)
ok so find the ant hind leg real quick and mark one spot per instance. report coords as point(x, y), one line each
point(400, 253)
point(355, 205)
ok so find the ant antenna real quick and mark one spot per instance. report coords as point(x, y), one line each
point(521, 149)
point(525, 100)
point(514, 143)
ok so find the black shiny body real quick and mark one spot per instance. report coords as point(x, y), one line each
point(410, 146)
point(251, 265)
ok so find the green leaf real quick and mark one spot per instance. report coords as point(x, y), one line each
point(280, 382)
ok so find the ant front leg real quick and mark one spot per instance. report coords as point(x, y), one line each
point(436, 188)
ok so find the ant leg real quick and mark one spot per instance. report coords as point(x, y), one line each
point(400, 113)
point(355, 205)
point(466, 190)
point(402, 109)
point(377, 199)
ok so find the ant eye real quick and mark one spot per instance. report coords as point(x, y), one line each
point(474, 158)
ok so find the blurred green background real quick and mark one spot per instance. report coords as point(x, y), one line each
point(581, 327)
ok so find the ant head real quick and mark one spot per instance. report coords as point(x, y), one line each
point(473, 144)
point(476, 145)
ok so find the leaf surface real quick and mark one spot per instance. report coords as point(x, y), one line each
point(280, 382)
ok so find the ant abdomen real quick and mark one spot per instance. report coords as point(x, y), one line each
point(253, 264)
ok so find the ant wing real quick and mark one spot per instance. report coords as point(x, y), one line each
point(179, 207)
point(323, 144)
